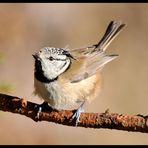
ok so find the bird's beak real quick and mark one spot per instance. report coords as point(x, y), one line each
point(36, 56)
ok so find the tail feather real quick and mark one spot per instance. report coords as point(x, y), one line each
point(111, 32)
point(92, 59)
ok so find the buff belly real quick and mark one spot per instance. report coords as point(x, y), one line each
point(67, 96)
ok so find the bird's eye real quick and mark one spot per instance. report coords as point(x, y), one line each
point(51, 58)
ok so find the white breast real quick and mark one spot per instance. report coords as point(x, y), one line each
point(47, 91)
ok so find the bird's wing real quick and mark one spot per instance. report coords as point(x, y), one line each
point(85, 67)
point(89, 60)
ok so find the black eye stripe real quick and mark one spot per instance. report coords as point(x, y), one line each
point(60, 59)
point(51, 59)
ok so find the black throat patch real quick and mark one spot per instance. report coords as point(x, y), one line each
point(39, 74)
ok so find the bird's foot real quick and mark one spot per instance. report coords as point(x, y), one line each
point(77, 113)
point(40, 108)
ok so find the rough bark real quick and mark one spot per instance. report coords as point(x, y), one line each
point(134, 123)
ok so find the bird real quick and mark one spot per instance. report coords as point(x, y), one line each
point(65, 79)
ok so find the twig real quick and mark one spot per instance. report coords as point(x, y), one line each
point(135, 123)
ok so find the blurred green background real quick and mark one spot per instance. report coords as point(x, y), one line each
point(25, 28)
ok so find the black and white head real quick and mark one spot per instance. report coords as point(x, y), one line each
point(50, 62)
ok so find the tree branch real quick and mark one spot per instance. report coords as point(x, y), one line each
point(135, 123)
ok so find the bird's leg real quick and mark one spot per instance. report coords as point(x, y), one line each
point(40, 108)
point(77, 113)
